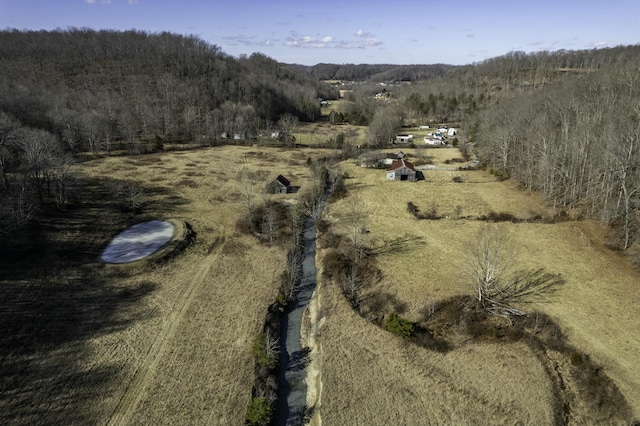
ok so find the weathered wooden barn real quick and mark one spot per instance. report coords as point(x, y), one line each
point(402, 170)
point(280, 185)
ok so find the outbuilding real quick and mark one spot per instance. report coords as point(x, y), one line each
point(280, 185)
point(401, 170)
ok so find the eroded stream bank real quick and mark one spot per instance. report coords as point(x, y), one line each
point(292, 389)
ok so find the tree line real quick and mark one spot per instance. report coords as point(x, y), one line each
point(374, 72)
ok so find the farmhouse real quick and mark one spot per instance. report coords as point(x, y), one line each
point(280, 185)
point(404, 138)
point(401, 170)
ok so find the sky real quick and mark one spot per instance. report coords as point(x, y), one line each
point(308, 32)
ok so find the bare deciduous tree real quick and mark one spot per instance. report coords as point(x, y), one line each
point(293, 272)
point(498, 284)
point(355, 221)
point(248, 188)
point(351, 285)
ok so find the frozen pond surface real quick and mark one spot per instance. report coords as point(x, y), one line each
point(138, 241)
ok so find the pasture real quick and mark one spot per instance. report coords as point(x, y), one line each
point(369, 376)
point(164, 342)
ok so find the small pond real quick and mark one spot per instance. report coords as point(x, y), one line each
point(138, 242)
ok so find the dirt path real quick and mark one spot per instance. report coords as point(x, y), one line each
point(135, 390)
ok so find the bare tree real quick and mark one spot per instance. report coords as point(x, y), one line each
point(355, 221)
point(270, 222)
point(384, 125)
point(498, 284)
point(287, 124)
point(351, 285)
point(248, 188)
point(134, 192)
point(293, 272)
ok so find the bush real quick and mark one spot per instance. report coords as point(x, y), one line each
point(413, 209)
point(576, 358)
point(339, 189)
point(398, 325)
point(263, 352)
point(500, 217)
point(259, 412)
point(335, 264)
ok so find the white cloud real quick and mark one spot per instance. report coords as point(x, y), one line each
point(328, 42)
point(248, 41)
point(361, 33)
point(134, 1)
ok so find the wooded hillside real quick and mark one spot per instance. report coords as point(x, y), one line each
point(564, 123)
point(94, 87)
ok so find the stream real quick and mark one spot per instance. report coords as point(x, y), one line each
point(292, 389)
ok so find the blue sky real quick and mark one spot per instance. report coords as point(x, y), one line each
point(353, 31)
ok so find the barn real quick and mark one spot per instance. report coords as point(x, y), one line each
point(402, 170)
point(280, 185)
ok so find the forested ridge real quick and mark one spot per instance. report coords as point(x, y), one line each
point(374, 72)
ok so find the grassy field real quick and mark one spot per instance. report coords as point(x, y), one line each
point(161, 343)
point(170, 342)
point(368, 376)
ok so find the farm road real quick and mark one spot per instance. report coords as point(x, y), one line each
point(135, 390)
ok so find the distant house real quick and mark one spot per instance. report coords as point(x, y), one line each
point(452, 132)
point(434, 141)
point(404, 138)
point(389, 158)
point(239, 136)
point(401, 170)
point(280, 185)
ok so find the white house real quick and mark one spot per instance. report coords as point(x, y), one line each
point(433, 141)
point(404, 138)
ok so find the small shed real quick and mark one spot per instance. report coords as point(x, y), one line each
point(452, 132)
point(280, 185)
point(402, 170)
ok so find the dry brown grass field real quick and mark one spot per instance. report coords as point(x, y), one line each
point(368, 376)
point(161, 343)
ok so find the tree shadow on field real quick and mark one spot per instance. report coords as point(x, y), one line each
point(58, 304)
point(45, 356)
